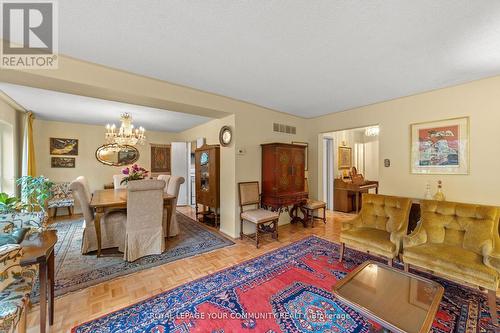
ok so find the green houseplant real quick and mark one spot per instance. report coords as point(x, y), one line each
point(35, 192)
point(9, 204)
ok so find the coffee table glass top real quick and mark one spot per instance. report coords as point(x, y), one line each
point(399, 301)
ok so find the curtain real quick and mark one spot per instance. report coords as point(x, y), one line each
point(29, 165)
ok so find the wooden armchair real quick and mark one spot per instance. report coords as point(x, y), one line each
point(265, 221)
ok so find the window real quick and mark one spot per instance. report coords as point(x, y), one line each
point(7, 158)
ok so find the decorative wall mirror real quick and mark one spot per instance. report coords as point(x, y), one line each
point(116, 155)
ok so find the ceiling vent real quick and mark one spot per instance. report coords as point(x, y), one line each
point(284, 128)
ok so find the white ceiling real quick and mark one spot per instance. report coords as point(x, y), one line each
point(304, 57)
point(51, 105)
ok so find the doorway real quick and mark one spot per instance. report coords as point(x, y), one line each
point(359, 148)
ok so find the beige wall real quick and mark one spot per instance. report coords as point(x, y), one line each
point(479, 100)
point(228, 199)
point(9, 146)
point(90, 137)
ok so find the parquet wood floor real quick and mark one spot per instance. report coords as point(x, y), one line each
point(93, 302)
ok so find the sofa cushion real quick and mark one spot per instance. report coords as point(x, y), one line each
point(452, 261)
point(369, 237)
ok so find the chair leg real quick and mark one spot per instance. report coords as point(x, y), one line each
point(324, 215)
point(55, 212)
point(276, 228)
point(492, 304)
point(69, 211)
point(257, 236)
point(390, 262)
point(342, 249)
point(21, 327)
point(407, 267)
point(241, 229)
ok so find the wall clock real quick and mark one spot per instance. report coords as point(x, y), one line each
point(225, 136)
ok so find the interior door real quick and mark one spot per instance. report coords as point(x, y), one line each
point(180, 167)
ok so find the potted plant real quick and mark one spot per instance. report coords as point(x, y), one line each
point(133, 173)
point(35, 192)
point(9, 204)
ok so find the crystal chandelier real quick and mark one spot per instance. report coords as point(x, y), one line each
point(126, 134)
point(372, 131)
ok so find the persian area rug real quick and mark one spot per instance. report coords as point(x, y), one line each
point(287, 290)
point(74, 271)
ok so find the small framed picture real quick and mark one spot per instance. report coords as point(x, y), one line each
point(345, 157)
point(305, 144)
point(60, 146)
point(440, 147)
point(62, 162)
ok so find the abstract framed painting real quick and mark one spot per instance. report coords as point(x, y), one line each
point(440, 147)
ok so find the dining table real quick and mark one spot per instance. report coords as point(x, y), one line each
point(109, 199)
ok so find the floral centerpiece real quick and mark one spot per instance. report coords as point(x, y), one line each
point(133, 173)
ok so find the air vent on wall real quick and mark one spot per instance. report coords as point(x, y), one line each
point(284, 128)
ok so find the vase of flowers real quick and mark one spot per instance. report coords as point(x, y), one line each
point(135, 172)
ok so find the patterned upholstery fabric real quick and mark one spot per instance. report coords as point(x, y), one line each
point(459, 241)
point(379, 227)
point(61, 196)
point(32, 220)
point(16, 283)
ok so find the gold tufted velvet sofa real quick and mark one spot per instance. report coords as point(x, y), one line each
point(458, 241)
point(379, 228)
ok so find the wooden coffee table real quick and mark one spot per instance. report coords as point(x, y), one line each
point(38, 249)
point(399, 301)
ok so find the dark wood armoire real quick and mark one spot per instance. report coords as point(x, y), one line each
point(207, 179)
point(283, 182)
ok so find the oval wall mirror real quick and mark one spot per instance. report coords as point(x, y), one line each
point(116, 155)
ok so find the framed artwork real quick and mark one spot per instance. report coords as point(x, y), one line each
point(440, 147)
point(60, 146)
point(305, 144)
point(345, 158)
point(160, 158)
point(62, 162)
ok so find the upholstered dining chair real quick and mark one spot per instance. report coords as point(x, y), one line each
point(173, 188)
point(265, 221)
point(112, 223)
point(144, 229)
point(165, 178)
point(117, 180)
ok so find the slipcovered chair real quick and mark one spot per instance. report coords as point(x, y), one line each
point(265, 221)
point(379, 227)
point(173, 188)
point(61, 197)
point(144, 228)
point(165, 178)
point(117, 180)
point(112, 223)
point(457, 241)
point(15, 288)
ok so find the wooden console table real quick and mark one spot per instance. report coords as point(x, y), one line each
point(38, 249)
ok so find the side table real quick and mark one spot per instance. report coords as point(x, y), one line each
point(39, 250)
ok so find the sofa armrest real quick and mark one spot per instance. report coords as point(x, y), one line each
point(351, 223)
point(10, 264)
point(492, 260)
point(417, 237)
point(397, 236)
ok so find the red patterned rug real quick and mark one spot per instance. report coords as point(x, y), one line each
point(287, 290)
